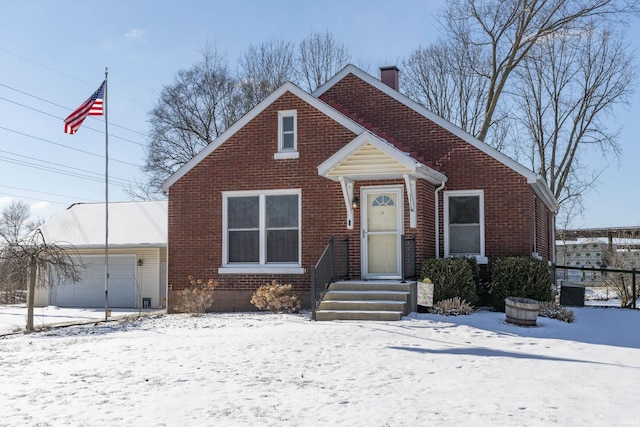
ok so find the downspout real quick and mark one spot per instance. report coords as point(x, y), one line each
point(553, 237)
point(438, 219)
point(535, 226)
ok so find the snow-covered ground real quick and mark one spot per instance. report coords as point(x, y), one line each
point(284, 370)
point(13, 318)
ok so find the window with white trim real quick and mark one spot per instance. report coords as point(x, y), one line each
point(287, 135)
point(261, 228)
point(464, 223)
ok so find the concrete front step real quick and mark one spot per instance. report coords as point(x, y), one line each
point(326, 315)
point(385, 300)
point(362, 305)
point(365, 295)
point(358, 285)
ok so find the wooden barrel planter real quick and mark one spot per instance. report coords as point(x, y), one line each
point(522, 311)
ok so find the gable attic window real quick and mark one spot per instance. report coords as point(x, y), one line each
point(287, 135)
point(261, 232)
point(464, 224)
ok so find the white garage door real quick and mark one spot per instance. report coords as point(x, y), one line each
point(89, 291)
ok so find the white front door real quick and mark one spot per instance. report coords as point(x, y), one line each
point(381, 230)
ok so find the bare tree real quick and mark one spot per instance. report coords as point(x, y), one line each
point(320, 57)
point(507, 30)
point(263, 68)
point(190, 114)
point(31, 258)
point(445, 83)
point(14, 221)
point(14, 224)
point(567, 87)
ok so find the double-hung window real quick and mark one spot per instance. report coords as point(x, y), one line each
point(287, 135)
point(261, 229)
point(464, 224)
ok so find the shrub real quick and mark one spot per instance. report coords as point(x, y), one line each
point(276, 298)
point(197, 298)
point(524, 277)
point(552, 310)
point(451, 277)
point(453, 307)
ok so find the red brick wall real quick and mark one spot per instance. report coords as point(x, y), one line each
point(509, 209)
point(245, 162)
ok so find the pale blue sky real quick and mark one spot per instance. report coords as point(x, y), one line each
point(53, 55)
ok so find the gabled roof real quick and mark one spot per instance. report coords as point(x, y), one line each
point(131, 224)
point(536, 181)
point(369, 157)
point(287, 87)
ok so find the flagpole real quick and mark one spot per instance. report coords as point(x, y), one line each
point(106, 200)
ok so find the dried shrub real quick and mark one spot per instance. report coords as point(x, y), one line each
point(453, 307)
point(553, 310)
point(197, 298)
point(277, 298)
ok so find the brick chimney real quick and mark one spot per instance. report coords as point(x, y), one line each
point(389, 76)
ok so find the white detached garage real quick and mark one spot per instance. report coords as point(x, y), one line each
point(137, 255)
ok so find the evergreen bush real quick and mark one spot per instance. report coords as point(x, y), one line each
point(524, 277)
point(451, 277)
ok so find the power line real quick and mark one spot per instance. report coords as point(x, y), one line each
point(88, 127)
point(48, 194)
point(37, 199)
point(98, 175)
point(68, 147)
point(62, 172)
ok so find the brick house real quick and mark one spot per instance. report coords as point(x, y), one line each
point(356, 158)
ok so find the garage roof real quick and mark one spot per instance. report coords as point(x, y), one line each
point(131, 224)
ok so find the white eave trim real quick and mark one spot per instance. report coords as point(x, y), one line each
point(287, 87)
point(543, 191)
point(416, 168)
point(532, 178)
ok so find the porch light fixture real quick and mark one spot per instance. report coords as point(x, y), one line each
point(355, 202)
point(139, 262)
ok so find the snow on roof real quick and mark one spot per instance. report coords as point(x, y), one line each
point(131, 224)
point(598, 240)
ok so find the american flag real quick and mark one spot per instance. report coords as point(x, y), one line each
point(90, 107)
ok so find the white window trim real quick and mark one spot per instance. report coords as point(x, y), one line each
point(287, 153)
point(261, 267)
point(481, 257)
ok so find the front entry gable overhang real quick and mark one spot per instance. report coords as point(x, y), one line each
point(369, 157)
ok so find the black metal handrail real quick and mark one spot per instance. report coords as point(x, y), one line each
point(408, 257)
point(332, 265)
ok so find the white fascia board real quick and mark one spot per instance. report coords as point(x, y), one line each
point(417, 168)
point(431, 175)
point(287, 87)
point(543, 191)
point(353, 146)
